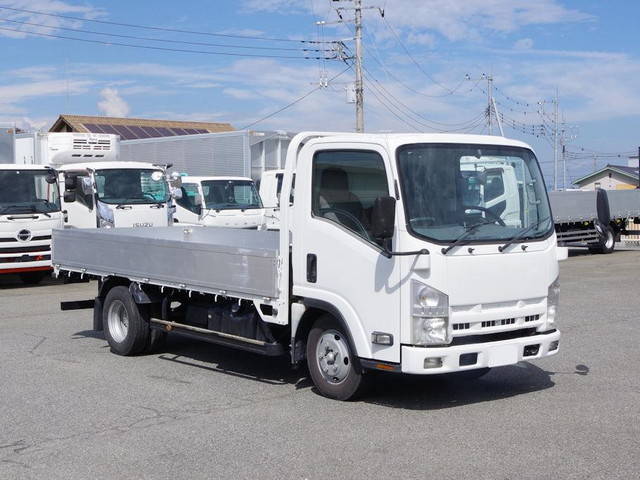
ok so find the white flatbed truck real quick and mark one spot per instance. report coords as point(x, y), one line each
point(379, 264)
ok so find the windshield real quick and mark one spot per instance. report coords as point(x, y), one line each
point(448, 188)
point(230, 194)
point(27, 191)
point(131, 186)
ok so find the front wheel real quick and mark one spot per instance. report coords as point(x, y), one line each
point(333, 366)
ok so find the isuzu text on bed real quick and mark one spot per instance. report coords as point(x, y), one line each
point(395, 252)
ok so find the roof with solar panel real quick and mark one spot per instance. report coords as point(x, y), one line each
point(135, 128)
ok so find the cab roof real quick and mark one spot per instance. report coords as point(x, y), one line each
point(14, 166)
point(108, 166)
point(198, 179)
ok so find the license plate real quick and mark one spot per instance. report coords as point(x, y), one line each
point(143, 224)
point(503, 355)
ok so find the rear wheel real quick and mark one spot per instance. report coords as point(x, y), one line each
point(32, 278)
point(607, 241)
point(332, 364)
point(125, 324)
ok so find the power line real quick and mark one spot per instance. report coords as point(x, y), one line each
point(424, 72)
point(165, 49)
point(152, 39)
point(162, 29)
point(291, 104)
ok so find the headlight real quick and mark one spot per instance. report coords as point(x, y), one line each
point(553, 298)
point(105, 223)
point(430, 315)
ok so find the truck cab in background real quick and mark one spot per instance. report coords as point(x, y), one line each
point(219, 202)
point(29, 210)
point(116, 194)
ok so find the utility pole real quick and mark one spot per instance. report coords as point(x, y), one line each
point(359, 84)
point(490, 103)
point(555, 142)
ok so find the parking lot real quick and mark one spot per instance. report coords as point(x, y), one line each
point(71, 409)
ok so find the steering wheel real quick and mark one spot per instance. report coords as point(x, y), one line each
point(350, 216)
point(427, 221)
point(495, 217)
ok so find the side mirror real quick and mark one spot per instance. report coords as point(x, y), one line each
point(175, 180)
point(86, 186)
point(69, 196)
point(197, 200)
point(383, 218)
point(176, 193)
point(51, 178)
point(70, 181)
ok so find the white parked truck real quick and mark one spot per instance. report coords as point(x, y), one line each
point(116, 194)
point(380, 263)
point(219, 202)
point(29, 210)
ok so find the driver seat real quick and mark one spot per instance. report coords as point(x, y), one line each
point(335, 194)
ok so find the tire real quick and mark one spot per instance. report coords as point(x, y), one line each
point(470, 374)
point(32, 278)
point(125, 323)
point(338, 377)
point(607, 242)
point(157, 340)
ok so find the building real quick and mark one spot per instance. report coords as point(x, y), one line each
point(610, 177)
point(135, 128)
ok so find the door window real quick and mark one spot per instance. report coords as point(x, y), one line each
point(188, 200)
point(346, 184)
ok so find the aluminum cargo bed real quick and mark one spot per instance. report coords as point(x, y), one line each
point(228, 261)
point(624, 203)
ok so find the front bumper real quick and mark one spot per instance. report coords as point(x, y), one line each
point(490, 354)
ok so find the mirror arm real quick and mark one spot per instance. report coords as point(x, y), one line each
point(389, 254)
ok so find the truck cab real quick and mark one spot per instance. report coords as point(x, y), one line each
point(116, 194)
point(219, 202)
point(29, 210)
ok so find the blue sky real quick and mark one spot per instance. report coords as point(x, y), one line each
point(587, 49)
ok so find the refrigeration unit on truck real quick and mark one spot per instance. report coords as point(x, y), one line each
point(116, 194)
point(381, 263)
point(219, 202)
point(29, 210)
point(595, 219)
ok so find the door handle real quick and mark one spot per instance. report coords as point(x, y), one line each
point(312, 268)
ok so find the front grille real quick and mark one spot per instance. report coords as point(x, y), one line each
point(40, 248)
point(26, 258)
point(531, 318)
point(493, 337)
point(461, 326)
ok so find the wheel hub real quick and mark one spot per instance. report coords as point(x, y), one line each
point(118, 321)
point(332, 354)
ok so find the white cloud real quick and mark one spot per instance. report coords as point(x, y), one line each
point(40, 22)
point(112, 104)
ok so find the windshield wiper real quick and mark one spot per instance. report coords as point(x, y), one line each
point(470, 230)
point(30, 208)
point(521, 234)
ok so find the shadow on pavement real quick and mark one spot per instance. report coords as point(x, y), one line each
point(13, 281)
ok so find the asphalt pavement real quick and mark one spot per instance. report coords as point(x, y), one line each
point(70, 409)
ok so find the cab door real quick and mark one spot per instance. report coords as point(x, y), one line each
point(336, 260)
